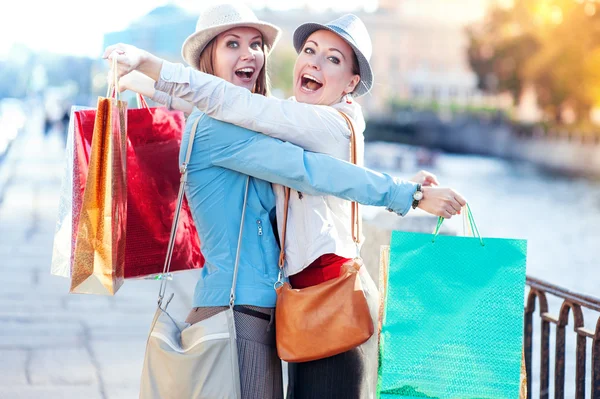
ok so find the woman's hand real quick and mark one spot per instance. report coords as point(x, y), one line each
point(443, 202)
point(130, 58)
point(425, 179)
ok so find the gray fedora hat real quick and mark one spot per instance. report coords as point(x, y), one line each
point(216, 19)
point(350, 28)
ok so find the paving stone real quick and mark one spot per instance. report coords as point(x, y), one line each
point(5, 248)
point(50, 392)
point(122, 392)
point(87, 302)
point(16, 288)
point(52, 285)
point(25, 333)
point(117, 326)
point(120, 361)
point(15, 276)
point(141, 305)
point(31, 261)
point(13, 367)
point(32, 307)
point(62, 366)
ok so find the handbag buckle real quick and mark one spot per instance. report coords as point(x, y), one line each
point(279, 282)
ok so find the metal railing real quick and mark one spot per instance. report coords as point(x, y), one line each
point(572, 303)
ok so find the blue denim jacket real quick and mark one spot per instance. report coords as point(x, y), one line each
point(222, 157)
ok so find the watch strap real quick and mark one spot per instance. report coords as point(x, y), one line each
point(415, 202)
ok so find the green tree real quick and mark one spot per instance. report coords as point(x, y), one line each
point(500, 47)
point(552, 44)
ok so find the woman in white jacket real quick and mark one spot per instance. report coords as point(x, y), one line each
point(331, 68)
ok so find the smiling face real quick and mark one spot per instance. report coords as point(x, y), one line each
point(326, 69)
point(238, 56)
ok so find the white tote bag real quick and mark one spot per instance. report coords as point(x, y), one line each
point(197, 361)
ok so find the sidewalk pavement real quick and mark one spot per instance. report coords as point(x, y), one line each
point(54, 344)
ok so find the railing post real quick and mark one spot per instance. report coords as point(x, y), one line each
point(581, 350)
point(544, 345)
point(559, 373)
point(545, 360)
point(596, 363)
point(545, 342)
point(527, 341)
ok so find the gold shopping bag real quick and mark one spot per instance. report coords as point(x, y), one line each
point(99, 259)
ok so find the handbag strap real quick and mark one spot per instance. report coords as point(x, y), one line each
point(355, 215)
point(183, 169)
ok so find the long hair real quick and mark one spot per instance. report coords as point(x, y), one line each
point(262, 85)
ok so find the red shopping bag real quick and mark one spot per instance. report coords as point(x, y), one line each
point(153, 141)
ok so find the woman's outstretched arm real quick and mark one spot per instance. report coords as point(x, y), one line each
point(317, 128)
point(266, 158)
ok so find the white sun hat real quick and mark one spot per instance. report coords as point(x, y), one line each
point(217, 19)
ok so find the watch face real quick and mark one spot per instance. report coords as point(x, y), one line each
point(418, 196)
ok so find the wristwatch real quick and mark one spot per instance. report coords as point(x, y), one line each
point(417, 196)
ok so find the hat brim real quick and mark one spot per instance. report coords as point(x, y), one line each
point(366, 73)
point(197, 41)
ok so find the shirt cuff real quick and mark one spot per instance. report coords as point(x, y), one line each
point(162, 98)
point(403, 197)
point(166, 81)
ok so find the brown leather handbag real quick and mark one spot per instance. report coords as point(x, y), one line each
point(329, 318)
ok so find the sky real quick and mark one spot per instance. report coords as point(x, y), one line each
point(77, 27)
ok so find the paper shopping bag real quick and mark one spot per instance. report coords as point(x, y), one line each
point(453, 319)
point(99, 256)
point(154, 138)
point(64, 240)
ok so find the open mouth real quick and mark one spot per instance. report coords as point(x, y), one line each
point(310, 83)
point(245, 74)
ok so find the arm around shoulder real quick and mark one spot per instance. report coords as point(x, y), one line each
point(280, 162)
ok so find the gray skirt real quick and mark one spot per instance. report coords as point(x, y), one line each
point(260, 367)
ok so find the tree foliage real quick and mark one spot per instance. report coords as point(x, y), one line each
point(553, 45)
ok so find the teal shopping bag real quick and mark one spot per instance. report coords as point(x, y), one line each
point(453, 320)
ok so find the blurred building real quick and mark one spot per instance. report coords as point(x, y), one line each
point(161, 32)
point(419, 51)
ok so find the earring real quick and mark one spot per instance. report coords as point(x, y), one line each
point(348, 98)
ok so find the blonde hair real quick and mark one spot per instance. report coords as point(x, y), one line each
point(262, 85)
